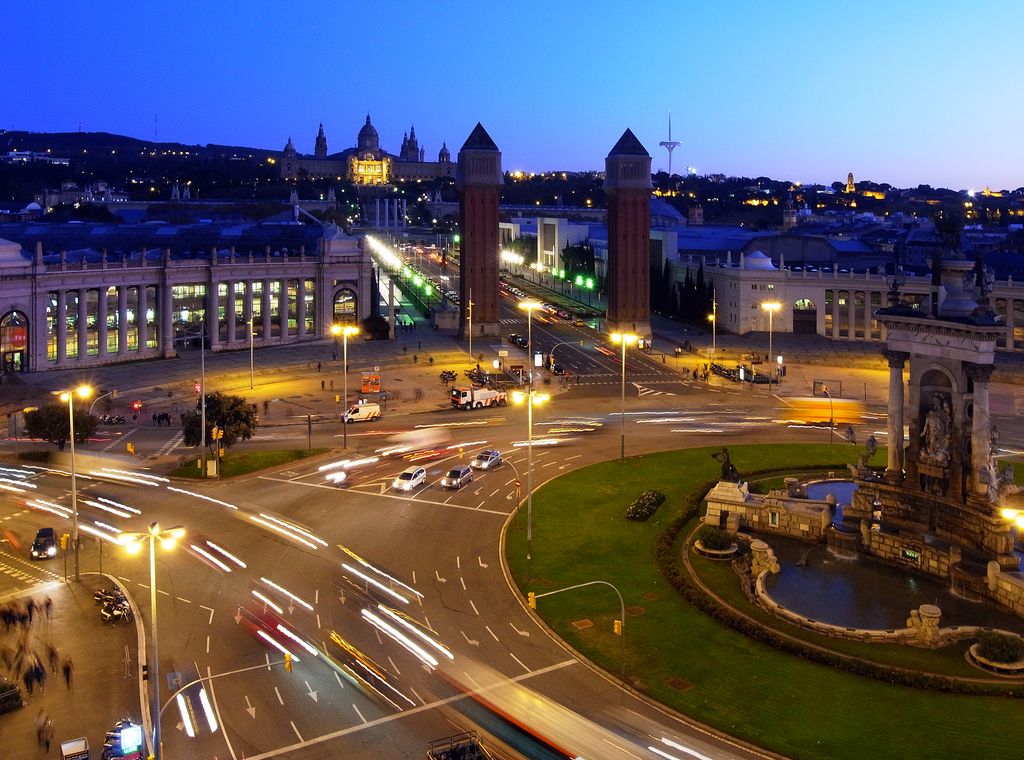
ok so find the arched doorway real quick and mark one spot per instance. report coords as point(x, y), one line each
point(13, 343)
point(805, 317)
point(345, 310)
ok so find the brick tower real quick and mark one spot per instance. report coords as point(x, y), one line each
point(628, 185)
point(479, 180)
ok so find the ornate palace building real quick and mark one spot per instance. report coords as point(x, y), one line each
point(82, 295)
point(366, 163)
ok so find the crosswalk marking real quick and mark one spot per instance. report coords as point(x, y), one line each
point(171, 444)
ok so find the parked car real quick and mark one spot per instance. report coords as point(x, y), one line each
point(557, 369)
point(45, 544)
point(409, 479)
point(363, 413)
point(486, 460)
point(518, 340)
point(457, 477)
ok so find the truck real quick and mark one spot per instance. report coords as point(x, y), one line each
point(477, 398)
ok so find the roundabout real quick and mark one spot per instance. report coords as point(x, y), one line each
point(762, 687)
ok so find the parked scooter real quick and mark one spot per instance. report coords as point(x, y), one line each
point(448, 376)
point(117, 612)
point(108, 595)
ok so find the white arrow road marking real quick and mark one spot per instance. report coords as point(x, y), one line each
point(471, 642)
point(180, 726)
point(311, 692)
point(439, 578)
point(482, 564)
point(521, 633)
point(249, 708)
point(238, 616)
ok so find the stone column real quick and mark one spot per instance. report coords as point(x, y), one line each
point(122, 320)
point(300, 307)
point(165, 318)
point(894, 466)
point(62, 326)
point(140, 318)
point(101, 320)
point(212, 320)
point(283, 310)
point(376, 214)
point(229, 311)
point(981, 431)
point(83, 319)
point(265, 310)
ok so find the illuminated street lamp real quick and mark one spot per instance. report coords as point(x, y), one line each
point(133, 544)
point(528, 307)
point(535, 399)
point(625, 339)
point(771, 307)
point(344, 331)
point(83, 392)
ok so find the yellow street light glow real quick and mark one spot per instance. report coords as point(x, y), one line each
point(711, 317)
point(771, 306)
point(628, 338)
point(518, 397)
point(1009, 514)
point(529, 305)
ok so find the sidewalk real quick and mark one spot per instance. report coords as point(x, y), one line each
point(104, 688)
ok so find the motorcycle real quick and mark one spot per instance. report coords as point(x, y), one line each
point(112, 419)
point(448, 376)
point(108, 596)
point(117, 612)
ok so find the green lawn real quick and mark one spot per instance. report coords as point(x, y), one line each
point(747, 689)
point(245, 462)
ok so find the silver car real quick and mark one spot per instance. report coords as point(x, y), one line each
point(457, 477)
point(486, 460)
point(409, 478)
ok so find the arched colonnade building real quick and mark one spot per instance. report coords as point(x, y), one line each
point(81, 295)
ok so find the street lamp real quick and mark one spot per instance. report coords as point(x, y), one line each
point(626, 339)
point(344, 331)
point(771, 307)
point(531, 399)
point(133, 544)
point(528, 307)
point(251, 339)
point(83, 392)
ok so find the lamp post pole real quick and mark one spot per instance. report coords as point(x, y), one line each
point(344, 375)
point(251, 339)
point(469, 318)
point(154, 666)
point(74, 483)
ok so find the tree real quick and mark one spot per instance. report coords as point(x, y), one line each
point(50, 423)
point(231, 414)
point(376, 327)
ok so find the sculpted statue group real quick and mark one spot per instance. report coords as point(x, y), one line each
point(937, 432)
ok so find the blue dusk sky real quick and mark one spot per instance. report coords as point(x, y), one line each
point(905, 91)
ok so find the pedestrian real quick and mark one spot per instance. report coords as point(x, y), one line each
point(48, 606)
point(334, 355)
point(53, 657)
point(318, 365)
point(47, 736)
point(28, 678)
point(332, 385)
point(67, 667)
point(419, 344)
point(266, 407)
point(40, 721)
point(431, 360)
point(30, 608)
point(322, 384)
point(39, 673)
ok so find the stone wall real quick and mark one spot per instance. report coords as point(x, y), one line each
point(909, 550)
point(777, 513)
point(1006, 588)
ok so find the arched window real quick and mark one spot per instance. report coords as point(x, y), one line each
point(13, 343)
point(345, 303)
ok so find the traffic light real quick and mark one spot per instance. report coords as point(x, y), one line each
point(136, 406)
point(145, 672)
point(288, 662)
point(531, 599)
point(131, 447)
point(65, 537)
point(215, 433)
point(617, 627)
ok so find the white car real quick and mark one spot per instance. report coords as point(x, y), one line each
point(409, 478)
point(486, 460)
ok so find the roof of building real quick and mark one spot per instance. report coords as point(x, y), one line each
point(479, 139)
point(183, 239)
point(628, 145)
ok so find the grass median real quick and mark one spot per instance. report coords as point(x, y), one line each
point(685, 659)
point(245, 462)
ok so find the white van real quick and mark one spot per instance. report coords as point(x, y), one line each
point(362, 413)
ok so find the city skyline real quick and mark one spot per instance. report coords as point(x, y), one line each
point(905, 96)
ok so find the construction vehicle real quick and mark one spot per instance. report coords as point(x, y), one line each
point(465, 746)
point(477, 398)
